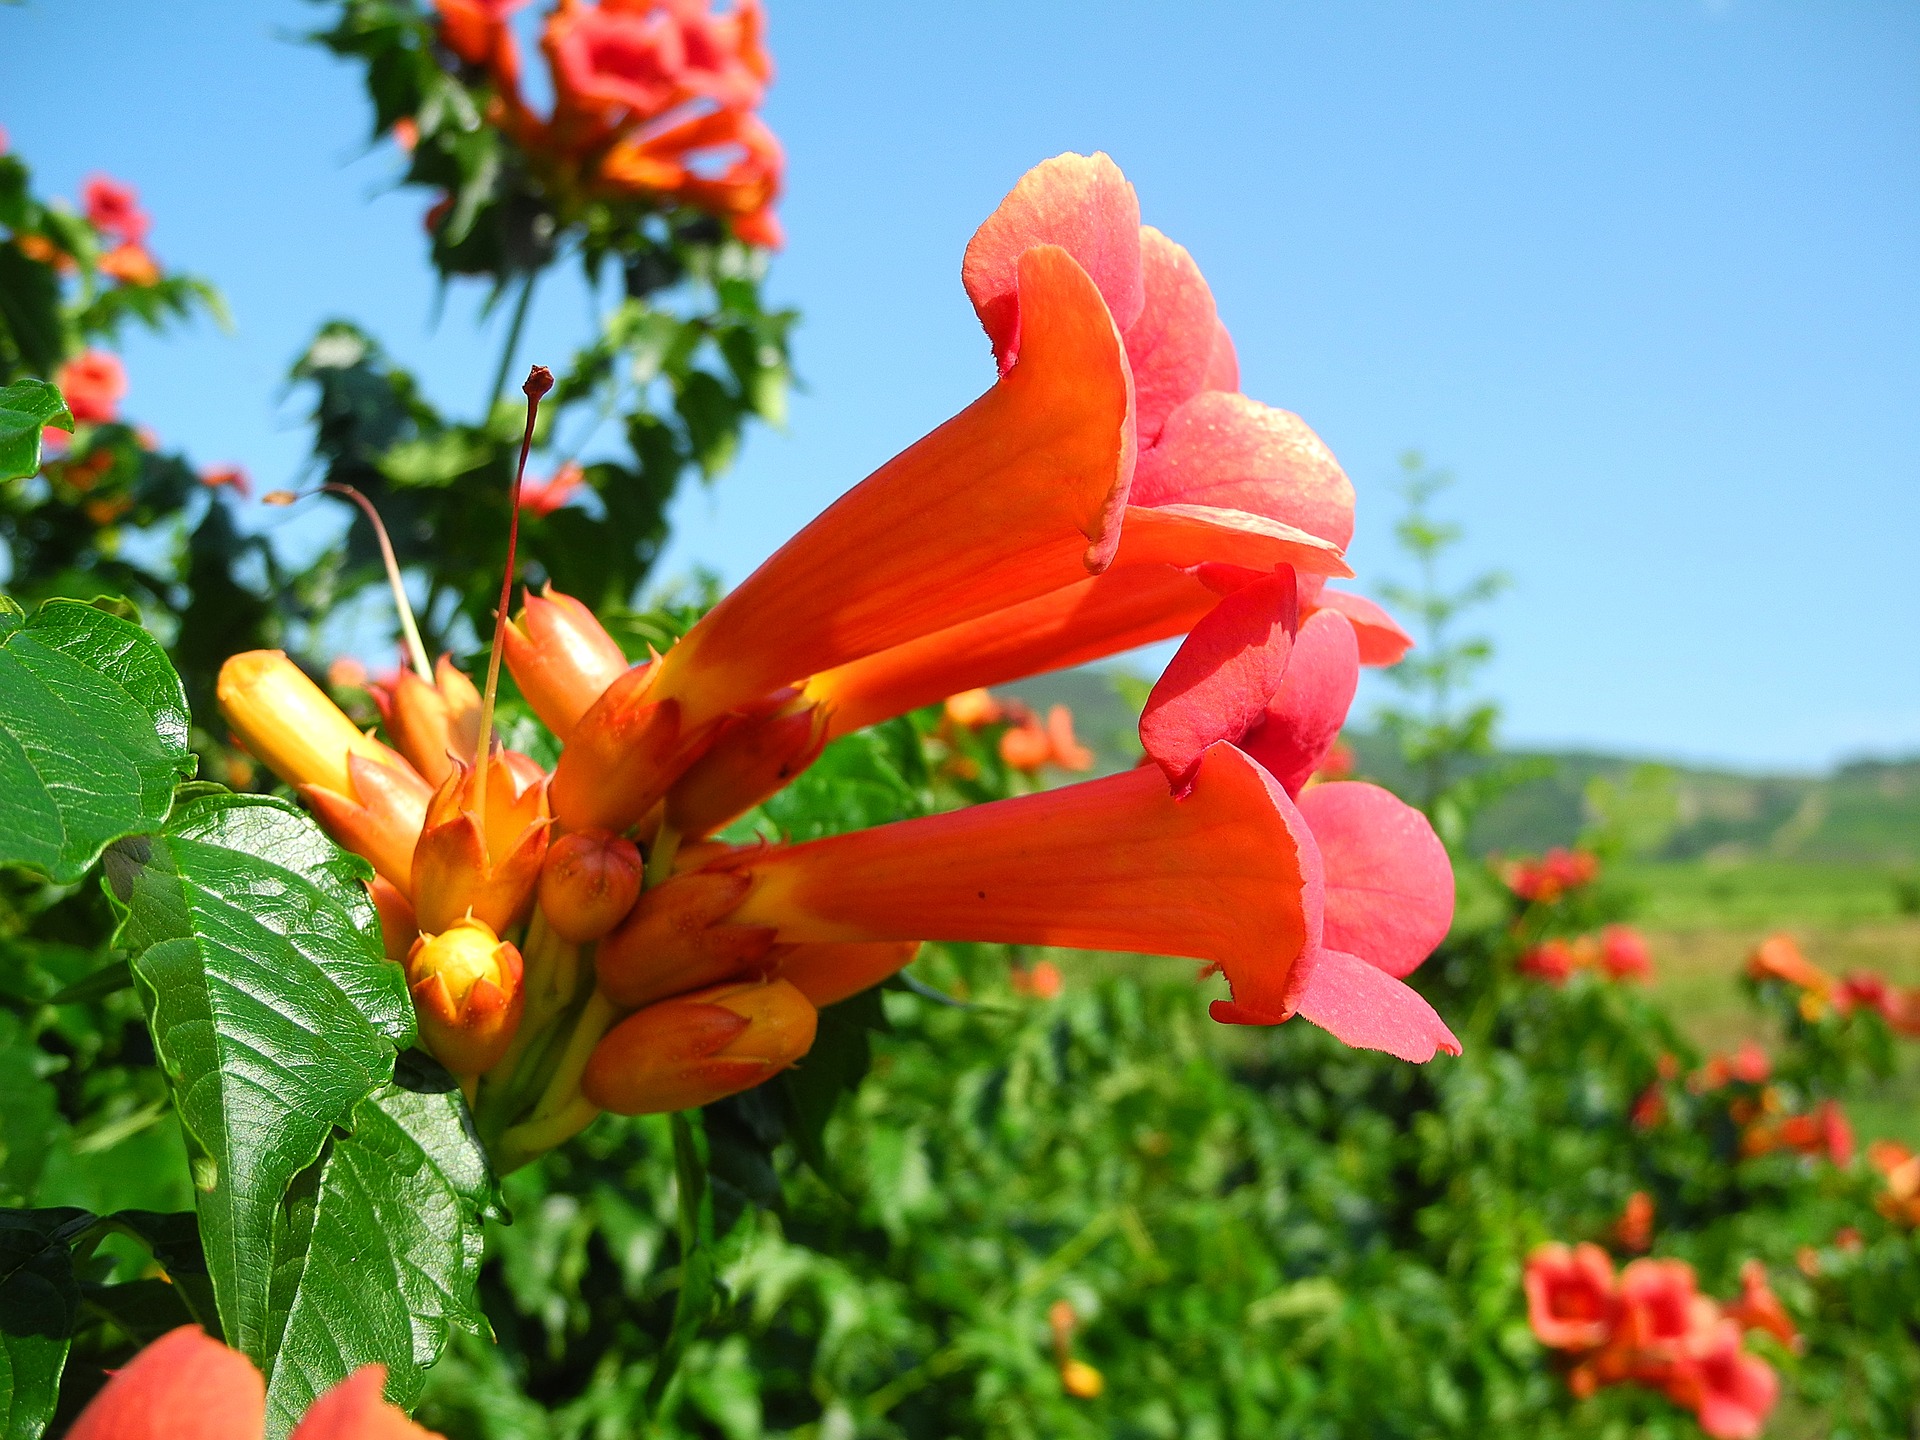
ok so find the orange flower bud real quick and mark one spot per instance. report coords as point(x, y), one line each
point(827, 972)
point(286, 722)
point(398, 927)
point(379, 816)
point(588, 884)
point(691, 1051)
point(430, 724)
point(623, 755)
point(467, 995)
point(756, 756)
point(562, 659)
point(458, 870)
point(677, 939)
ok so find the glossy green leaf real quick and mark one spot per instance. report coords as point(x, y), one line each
point(93, 735)
point(274, 1014)
point(26, 406)
point(380, 1252)
point(39, 1302)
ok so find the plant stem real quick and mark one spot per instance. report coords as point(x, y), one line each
point(596, 1018)
point(534, 1138)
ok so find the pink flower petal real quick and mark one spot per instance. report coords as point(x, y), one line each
point(1233, 453)
point(1359, 1006)
point(184, 1386)
point(1171, 344)
point(1304, 717)
point(1382, 641)
point(356, 1409)
point(1082, 204)
point(1219, 682)
point(1389, 882)
point(1223, 364)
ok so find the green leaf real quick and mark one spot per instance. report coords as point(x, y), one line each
point(381, 1252)
point(93, 735)
point(26, 406)
point(274, 1014)
point(39, 1303)
point(32, 1110)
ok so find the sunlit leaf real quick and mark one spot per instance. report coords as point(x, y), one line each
point(93, 735)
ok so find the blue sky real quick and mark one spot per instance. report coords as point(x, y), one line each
point(1644, 274)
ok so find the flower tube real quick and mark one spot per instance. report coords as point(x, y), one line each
point(1018, 495)
point(1228, 874)
point(366, 796)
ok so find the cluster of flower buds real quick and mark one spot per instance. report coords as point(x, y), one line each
point(1619, 952)
point(1548, 878)
point(1112, 488)
point(1650, 1325)
point(652, 99)
point(1817, 993)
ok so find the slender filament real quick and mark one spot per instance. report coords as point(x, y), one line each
point(416, 652)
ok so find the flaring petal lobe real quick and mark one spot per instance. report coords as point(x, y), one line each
point(1084, 205)
point(1233, 453)
point(1361, 1006)
point(1305, 715)
point(1389, 882)
point(1219, 682)
point(1171, 345)
point(1382, 641)
point(1223, 361)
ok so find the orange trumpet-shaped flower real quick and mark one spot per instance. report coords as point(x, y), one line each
point(366, 796)
point(188, 1386)
point(588, 884)
point(289, 724)
point(1112, 864)
point(562, 659)
point(1019, 494)
point(1571, 1296)
point(691, 1051)
point(431, 723)
point(479, 859)
point(467, 993)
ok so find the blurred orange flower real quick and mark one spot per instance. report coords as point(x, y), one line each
point(93, 383)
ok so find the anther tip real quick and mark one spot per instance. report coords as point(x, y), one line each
point(539, 382)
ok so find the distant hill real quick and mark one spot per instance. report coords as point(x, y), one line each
point(1866, 812)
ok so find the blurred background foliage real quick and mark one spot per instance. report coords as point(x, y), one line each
point(1005, 1167)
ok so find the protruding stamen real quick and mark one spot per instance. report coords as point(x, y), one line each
point(539, 382)
point(416, 652)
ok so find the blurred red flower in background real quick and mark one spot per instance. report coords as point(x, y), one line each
point(114, 210)
point(93, 383)
point(1546, 879)
point(653, 99)
point(543, 497)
